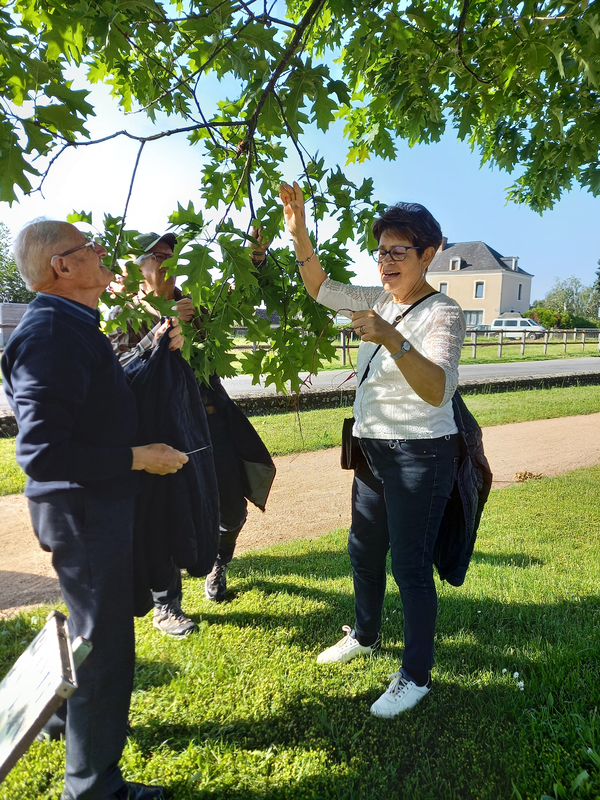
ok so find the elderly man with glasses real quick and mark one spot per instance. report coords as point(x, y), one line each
point(243, 466)
point(77, 420)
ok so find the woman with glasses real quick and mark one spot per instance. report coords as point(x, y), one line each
point(407, 372)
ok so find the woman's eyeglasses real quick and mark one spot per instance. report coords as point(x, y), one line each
point(397, 253)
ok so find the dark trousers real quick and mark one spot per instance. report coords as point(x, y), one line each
point(233, 506)
point(398, 500)
point(90, 538)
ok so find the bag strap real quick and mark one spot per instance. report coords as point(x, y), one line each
point(397, 320)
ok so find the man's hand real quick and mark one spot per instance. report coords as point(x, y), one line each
point(175, 334)
point(258, 252)
point(185, 309)
point(158, 459)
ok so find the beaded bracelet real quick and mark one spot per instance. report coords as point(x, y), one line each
point(302, 263)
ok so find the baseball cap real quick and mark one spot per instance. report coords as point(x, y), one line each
point(148, 240)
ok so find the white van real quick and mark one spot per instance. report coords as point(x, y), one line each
point(513, 328)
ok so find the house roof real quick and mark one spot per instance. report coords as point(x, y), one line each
point(475, 257)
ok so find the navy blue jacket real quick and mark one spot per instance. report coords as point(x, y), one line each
point(76, 414)
point(177, 516)
point(458, 529)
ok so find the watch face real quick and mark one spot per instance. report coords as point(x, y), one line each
point(406, 345)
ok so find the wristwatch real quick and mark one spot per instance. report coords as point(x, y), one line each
point(405, 347)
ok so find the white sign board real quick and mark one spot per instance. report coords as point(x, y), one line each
point(40, 681)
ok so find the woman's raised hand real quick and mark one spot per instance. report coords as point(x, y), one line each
point(293, 207)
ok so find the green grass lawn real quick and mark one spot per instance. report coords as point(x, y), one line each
point(317, 429)
point(289, 433)
point(241, 711)
point(12, 478)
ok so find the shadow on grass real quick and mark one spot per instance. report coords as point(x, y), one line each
point(23, 588)
point(427, 753)
point(149, 673)
point(520, 560)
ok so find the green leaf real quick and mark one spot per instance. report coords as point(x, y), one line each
point(80, 216)
point(61, 119)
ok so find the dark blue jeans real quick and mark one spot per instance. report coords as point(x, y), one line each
point(90, 538)
point(398, 499)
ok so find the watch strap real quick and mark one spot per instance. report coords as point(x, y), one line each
point(405, 347)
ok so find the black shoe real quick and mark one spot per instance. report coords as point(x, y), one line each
point(131, 791)
point(215, 585)
point(171, 620)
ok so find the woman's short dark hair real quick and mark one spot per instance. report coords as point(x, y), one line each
point(412, 221)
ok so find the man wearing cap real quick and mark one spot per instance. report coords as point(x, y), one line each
point(64, 383)
point(243, 466)
point(130, 344)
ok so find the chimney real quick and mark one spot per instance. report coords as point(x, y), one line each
point(443, 244)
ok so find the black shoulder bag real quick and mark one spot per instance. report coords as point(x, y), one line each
point(351, 452)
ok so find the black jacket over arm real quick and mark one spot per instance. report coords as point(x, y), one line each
point(177, 516)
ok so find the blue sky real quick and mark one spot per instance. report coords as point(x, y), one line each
point(469, 202)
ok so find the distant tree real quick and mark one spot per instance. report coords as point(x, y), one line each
point(543, 316)
point(596, 284)
point(12, 286)
point(569, 296)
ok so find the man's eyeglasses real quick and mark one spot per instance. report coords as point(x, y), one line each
point(159, 257)
point(397, 253)
point(90, 243)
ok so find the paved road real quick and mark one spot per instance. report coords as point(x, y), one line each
point(242, 384)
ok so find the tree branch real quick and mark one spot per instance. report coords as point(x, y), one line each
point(118, 242)
point(311, 12)
point(460, 31)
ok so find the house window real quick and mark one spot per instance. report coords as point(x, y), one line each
point(519, 292)
point(473, 318)
point(455, 263)
point(443, 288)
point(479, 289)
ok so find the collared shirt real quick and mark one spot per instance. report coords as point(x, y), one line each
point(77, 310)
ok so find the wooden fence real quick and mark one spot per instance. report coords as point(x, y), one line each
point(577, 338)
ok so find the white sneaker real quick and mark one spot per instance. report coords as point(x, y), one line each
point(400, 695)
point(346, 649)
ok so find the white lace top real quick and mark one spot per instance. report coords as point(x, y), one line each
point(385, 406)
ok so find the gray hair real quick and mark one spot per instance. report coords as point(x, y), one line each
point(35, 245)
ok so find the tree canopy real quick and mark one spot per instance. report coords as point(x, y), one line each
point(518, 80)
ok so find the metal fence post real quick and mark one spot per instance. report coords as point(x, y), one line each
point(546, 337)
point(474, 348)
point(500, 339)
point(523, 343)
